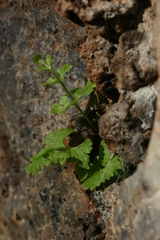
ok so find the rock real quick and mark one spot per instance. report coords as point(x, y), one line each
point(110, 197)
point(135, 68)
point(98, 53)
point(136, 212)
point(106, 18)
point(136, 52)
point(126, 125)
point(117, 41)
point(101, 17)
point(51, 205)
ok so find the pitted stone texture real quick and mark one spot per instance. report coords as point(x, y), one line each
point(126, 125)
point(106, 18)
point(136, 53)
point(110, 196)
point(154, 4)
point(127, 70)
point(52, 205)
point(135, 212)
point(98, 53)
point(88, 11)
point(148, 20)
point(43, 207)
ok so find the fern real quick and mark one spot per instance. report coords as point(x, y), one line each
point(71, 98)
point(56, 152)
point(91, 174)
point(104, 166)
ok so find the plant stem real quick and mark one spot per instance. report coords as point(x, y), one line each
point(77, 106)
point(73, 100)
point(87, 119)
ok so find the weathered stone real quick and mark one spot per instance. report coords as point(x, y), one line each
point(51, 205)
point(98, 53)
point(138, 59)
point(126, 125)
point(134, 66)
point(106, 18)
point(88, 11)
point(136, 213)
point(121, 69)
point(110, 196)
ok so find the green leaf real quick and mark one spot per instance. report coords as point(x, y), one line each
point(43, 152)
point(61, 107)
point(37, 58)
point(41, 68)
point(86, 173)
point(55, 139)
point(50, 81)
point(48, 59)
point(36, 165)
point(89, 88)
point(56, 152)
point(56, 157)
point(54, 146)
point(103, 168)
point(104, 154)
point(79, 92)
point(62, 71)
point(76, 91)
point(102, 175)
point(81, 153)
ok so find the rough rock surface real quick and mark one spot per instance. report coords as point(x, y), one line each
point(118, 45)
point(126, 125)
point(135, 215)
point(98, 53)
point(51, 205)
point(107, 18)
point(133, 207)
point(124, 70)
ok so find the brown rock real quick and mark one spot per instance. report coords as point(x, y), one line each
point(110, 196)
point(134, 66)
point(126, 125)
point(139, 64)
point(102, 17)
point(136, 213)
point(98, 53)
point(52, 205)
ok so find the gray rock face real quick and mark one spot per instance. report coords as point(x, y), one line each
point(51, 205)
point(117, 42)
point(135, 215)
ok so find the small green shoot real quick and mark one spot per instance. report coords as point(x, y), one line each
point(71, 98)
point(91, 173)
point(104, 166)
point(56, 152)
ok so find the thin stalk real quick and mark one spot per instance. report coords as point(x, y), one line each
point(55, 75)
point(85, 116)
point(73, 100)
point(77, 106)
